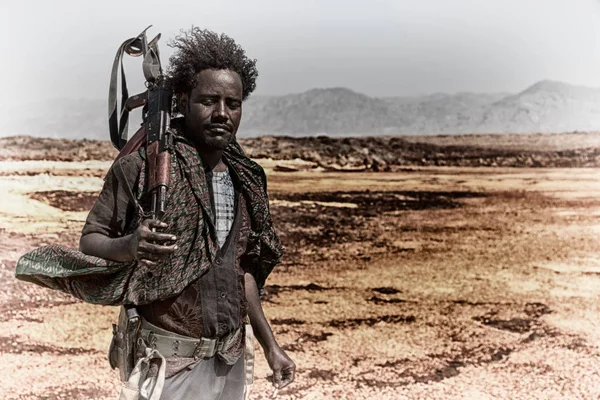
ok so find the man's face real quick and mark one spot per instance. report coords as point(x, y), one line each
point(213, 109)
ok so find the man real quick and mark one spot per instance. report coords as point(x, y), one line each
point(197, 274)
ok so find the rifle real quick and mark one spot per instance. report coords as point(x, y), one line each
point(157, 138)
point(157, 105)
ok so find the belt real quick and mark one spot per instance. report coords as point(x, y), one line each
point(170, 344)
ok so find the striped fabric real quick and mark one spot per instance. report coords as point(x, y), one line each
point(224, 199)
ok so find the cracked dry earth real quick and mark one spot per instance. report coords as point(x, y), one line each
point(428, 283)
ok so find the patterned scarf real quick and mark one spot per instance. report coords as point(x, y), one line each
point(101, 281)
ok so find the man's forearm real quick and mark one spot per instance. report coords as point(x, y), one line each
point(259, 322)
point(115, 249)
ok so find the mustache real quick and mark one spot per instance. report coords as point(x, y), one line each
point(220, 126)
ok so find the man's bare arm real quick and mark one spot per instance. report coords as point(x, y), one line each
point(283, 367)
point(143, 245)
point(99, 245)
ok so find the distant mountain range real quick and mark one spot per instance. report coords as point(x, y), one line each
point(546, 106)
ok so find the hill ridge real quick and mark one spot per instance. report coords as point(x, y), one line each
point(545, 106)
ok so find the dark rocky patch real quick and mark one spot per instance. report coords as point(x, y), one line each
point(287, 321)
point(323, 374)
point(517, 325)
point(536, 310)
point(379, 300)
point(271, 291)
point(394, 153)
point(375, 153)
point(473, 303)
point(316, 226)
point(393, 364)
point(500, 354)
point(67, 201)
point(298, 345)
point(13, 345)
point(440, 374)
point(449, 370)
point(532, 337)
point(386, 290)
point(356, 322)
point(384, 201)
point(577, 344)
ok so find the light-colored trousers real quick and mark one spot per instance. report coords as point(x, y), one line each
point(210, 379)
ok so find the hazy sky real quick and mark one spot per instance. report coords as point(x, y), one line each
point(65, 48)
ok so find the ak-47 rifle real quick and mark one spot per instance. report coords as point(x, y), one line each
point(154, 132)
point(155, 135)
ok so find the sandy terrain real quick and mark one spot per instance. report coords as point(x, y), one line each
point(424, 283)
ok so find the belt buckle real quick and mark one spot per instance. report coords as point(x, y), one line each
point(219, 345)
point(205, 347)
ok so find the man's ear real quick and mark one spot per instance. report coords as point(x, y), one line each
point(182, 103)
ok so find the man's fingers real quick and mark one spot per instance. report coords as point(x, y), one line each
point(283, 378)
point(287, 377)
point(277, 379)
point(145, 247)
point(290, 375)
point(154, 223)
point(158, 237)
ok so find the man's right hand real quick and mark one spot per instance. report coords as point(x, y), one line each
point(148, 245)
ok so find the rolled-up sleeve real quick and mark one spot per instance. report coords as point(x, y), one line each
point(114, 208)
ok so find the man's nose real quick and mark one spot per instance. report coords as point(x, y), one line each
point(220, 111)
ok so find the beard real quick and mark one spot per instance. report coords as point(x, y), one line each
point(205, 140)
point(209, 142)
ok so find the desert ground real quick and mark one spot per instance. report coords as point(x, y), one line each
point(415, 279)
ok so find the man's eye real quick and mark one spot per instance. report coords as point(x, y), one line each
point(207, 102)
point(235, 105)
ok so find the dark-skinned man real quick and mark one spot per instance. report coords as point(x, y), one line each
point(198, 273)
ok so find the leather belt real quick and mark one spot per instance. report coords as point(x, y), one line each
point(170, 344)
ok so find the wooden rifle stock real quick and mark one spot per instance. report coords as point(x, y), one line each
point(134, 143)
point(159, 167)
point(158, 143)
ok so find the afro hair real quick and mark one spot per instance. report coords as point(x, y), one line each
point(200, 49)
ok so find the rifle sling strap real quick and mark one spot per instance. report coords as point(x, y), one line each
point(120, 175)
point(118, 126)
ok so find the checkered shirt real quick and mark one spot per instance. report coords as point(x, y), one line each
point(224, 199)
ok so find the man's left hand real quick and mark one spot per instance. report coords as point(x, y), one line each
point(283, 367)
